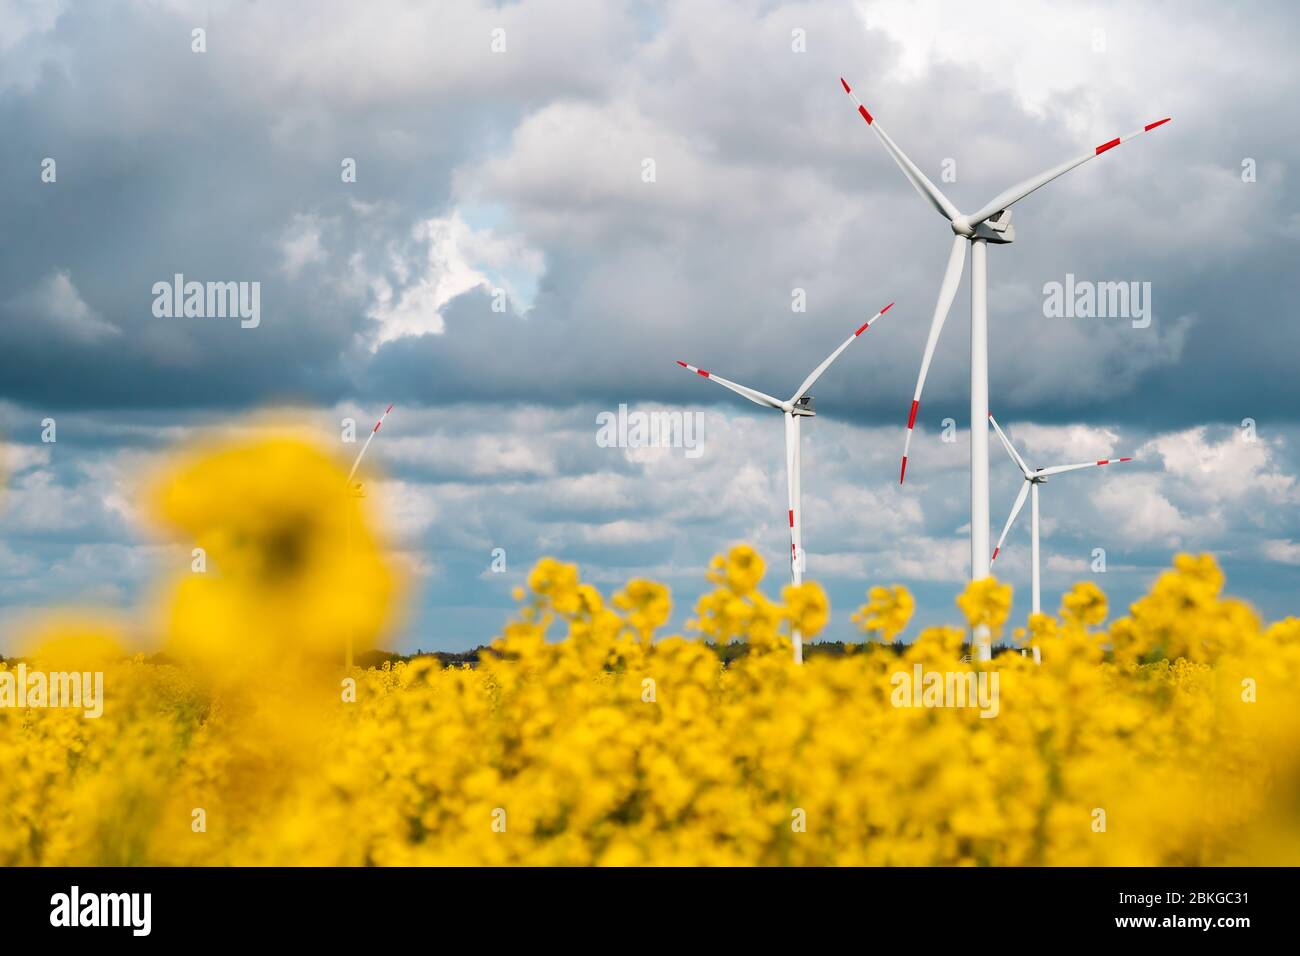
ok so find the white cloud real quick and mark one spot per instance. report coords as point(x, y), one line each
point(1282, 551)
point(15, 457)
point(300, 246)
point(470, 478)
point(59, 307)
point(1067, 60)
point(446, 258)
point(623, 531)
point(494, 454)
point(927, 559)
point(13, 563)
point(24, 51)
point(1140, 513)
point(595, 491)
point(1224, 470)
point(405, 509)
point(1063, 565)
point(418, 564)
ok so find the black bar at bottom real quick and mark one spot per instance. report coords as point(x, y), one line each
point(334, 906)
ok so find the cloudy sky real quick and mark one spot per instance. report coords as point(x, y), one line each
point(630, 184)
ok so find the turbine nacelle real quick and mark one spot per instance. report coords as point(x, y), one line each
point(996, 228)
point(803, 405)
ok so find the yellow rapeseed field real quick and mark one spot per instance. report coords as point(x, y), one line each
point(1169, 736)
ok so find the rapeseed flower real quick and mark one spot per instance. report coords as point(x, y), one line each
point(587, 736)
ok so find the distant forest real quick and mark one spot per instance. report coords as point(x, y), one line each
point(727, 652)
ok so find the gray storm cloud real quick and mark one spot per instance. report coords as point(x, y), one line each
point(502, 253)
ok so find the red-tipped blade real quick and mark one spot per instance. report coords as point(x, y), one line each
point(867, 324)
point(907, 443)
point(857, 102)
point(1022, 189)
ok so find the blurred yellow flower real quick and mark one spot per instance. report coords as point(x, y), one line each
point(740, 570)
point(648, 605)
point(292, 569)
point(65, 643)
point(1084, 604)
point(807, 607)
point(886, 613)
point(986, 603)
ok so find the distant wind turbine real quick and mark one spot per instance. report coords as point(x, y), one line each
point(1034, 478)
point(354, 491)
point(800, 405)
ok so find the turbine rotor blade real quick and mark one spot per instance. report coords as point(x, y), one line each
point(753, 394)
point(369, 438)
point(817, 372)
point(1024, 188)
point(947, 290)
point(1011, 519)
point(1061, 469)
point(1020, 462)
point(928, 190)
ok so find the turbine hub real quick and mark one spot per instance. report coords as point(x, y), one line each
point(961, 226)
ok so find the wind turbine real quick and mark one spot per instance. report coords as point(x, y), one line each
point(354, 491)
point(800, 405)
point(991, 223)
point(1033, 478)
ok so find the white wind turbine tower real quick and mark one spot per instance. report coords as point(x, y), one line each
point(354, 491)
point(1033, 478)
point(991, 223)
point(800, 405)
